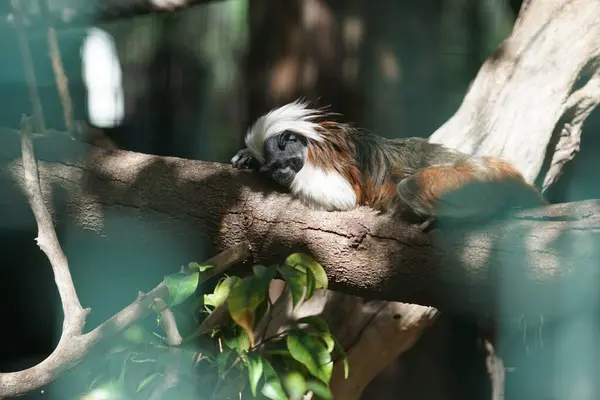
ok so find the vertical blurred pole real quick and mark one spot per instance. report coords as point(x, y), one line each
point(62, 82)
point(36, 104)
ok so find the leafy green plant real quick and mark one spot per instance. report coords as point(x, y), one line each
point(232, 359)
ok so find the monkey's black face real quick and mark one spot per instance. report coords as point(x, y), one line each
point(284, 157)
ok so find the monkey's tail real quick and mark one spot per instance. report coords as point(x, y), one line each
point(477, 188)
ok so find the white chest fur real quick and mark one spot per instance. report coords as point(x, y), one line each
point(323, 190)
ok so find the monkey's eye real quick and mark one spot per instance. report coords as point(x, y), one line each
point(284, 138)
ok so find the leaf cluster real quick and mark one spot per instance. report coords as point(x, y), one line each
point(234, 359)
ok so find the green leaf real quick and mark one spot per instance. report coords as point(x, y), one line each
point(311, 282)
point(316, 322)
point(304, 260)
point(311, 353)
point(255, 370)
point(295, 385)
point(262, 311)
point(265, 273)
point(343, 356)
point(146, 382)
point(181, 287)
point(259, 270)
point(272, 388)
point(329, 341)
point(319, 389)
point(243, 300)
point(200, 268)
point(219, 295)
point(296, 282)
point(108, 391)
point(136, 334)
point(222, 360)
point(236, 339)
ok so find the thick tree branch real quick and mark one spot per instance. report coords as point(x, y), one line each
point(365, 254)
point(518, 96)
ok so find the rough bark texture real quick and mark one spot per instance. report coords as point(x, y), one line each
point(520, 92)
point(365, 254)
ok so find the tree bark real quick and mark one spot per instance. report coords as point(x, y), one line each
point(365, 254)
point(522, 90)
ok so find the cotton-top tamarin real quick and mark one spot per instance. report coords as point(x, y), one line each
point(334, 166)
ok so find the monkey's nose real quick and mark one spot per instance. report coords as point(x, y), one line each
point(283, 176)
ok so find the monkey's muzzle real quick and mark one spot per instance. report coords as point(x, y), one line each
point(282, 175)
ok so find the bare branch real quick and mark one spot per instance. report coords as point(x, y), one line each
point(226, 259)
point(496, 371)
point(578, 107)
point(47, 239)
point(167, 321)
point(62, 82)
point(174, 339)
point(32, 86)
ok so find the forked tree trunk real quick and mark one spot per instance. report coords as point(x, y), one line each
point(525, 87)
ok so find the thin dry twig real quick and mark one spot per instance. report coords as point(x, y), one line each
point(496, 371)
point(62, 82)
point(47, 238)
point(174, 339)
point(34, 96)
point(168, 323)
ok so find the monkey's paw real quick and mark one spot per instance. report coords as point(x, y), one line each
point(242, 159)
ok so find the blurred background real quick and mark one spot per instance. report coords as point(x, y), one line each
point(193, 81)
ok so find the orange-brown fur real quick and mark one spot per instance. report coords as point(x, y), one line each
point(336, 146)
point(493, 186)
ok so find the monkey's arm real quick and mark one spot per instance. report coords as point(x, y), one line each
point(476, 188)
point(244, 159)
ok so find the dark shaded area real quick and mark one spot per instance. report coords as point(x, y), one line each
point(422, 372)
point(288, 57)
point(30, 303)
point(162, 118)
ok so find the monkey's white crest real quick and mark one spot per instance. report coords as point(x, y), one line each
point(323, 189)
point(296, 117)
